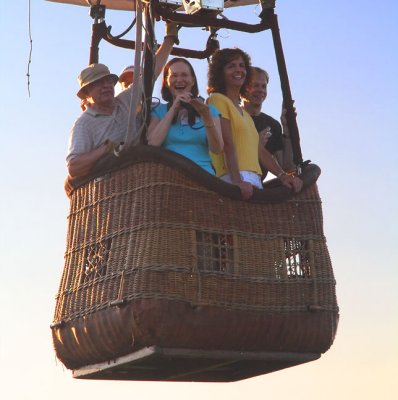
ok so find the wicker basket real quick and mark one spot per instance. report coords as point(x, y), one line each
point(161, 253)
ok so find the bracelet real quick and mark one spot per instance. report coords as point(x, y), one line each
point(209, 126)
point(281, 174)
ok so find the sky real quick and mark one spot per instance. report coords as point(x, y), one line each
point(342, 60)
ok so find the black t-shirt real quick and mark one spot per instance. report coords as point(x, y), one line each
point(275, 142)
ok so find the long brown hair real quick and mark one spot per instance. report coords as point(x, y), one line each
point(167, 96)
point(215, 75)
point(165, 91)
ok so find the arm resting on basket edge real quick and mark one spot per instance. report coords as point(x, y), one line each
point(274, 190)
point(269, 162)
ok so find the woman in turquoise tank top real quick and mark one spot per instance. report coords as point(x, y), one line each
point(185, 125)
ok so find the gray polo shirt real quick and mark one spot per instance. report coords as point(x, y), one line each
point(92, 128)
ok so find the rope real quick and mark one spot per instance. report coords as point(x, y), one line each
point(31, 47)
point(137, 82)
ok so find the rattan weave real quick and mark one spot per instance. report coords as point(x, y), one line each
point(148, 233)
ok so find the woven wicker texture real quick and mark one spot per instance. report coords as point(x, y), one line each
point(148, 232)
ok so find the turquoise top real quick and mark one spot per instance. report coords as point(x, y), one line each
point(191, 142)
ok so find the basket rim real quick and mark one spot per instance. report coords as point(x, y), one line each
point(275, 191)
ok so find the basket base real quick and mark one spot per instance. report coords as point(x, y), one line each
point(187, 365)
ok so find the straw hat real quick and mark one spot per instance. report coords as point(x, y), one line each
point(127, 70)
point(91, 74)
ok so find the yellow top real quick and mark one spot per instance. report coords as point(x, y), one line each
point(244, 135)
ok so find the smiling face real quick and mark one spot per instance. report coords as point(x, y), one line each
point(179, 79)
point(256, 92)
point(101, 92)
point(234, 73)
point(127, 79)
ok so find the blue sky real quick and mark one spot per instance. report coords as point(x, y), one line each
point(342, 60)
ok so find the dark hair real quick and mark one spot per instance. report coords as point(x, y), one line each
point(167, 96)
point(218, 61)
point(165, 91)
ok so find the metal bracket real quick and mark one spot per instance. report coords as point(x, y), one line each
point(97, 12)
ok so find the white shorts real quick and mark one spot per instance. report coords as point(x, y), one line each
point(246, 176)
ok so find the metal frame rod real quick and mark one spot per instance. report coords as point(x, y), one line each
point(96, 37)
point(153, 10)
point(149, 63)
point(214, 22)
point(286, 92)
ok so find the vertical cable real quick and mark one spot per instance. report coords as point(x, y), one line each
point(137, 85)
point(31, 48)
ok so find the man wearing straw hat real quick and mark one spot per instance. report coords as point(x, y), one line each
point(103, 126)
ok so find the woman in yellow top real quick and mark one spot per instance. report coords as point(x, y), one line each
point(229, 74)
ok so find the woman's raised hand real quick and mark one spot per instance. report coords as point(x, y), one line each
point(199, 105)
point(182, 97)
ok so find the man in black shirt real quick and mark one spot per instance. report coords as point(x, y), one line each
point(269, 129)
